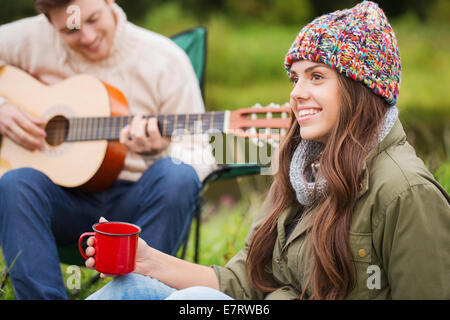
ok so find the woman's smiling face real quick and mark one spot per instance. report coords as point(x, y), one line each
point(314, 98)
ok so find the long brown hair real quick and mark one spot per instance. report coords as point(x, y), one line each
point(333, 275)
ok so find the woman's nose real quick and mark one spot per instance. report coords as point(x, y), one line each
point(300, 91)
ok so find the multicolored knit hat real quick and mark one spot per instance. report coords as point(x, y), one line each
point(358, 42)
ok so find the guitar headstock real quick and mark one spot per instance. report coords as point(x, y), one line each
point(259, 122)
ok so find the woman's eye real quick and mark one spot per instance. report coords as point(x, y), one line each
point(293, 80)
point(316, 76)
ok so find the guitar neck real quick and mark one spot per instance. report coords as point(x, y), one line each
point(108, 128)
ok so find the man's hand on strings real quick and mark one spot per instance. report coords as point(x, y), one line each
point(142, 136)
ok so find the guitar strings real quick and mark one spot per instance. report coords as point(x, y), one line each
point(62, 135)
point(126, 119)
point(101, 128)
point(81, 133)
point(109, 127)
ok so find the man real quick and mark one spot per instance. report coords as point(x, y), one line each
point(152, 191)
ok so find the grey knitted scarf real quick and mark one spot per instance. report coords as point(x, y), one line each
point(302, 177)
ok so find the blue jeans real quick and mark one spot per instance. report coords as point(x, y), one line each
point(36, 215)
point(134, 286)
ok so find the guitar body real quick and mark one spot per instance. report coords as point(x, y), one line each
point(90, 165)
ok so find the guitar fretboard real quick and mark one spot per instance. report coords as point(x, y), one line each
point(108, 128)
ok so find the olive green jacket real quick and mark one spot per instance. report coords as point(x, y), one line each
point(399, 235)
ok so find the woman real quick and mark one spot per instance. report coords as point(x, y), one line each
point(352, 213)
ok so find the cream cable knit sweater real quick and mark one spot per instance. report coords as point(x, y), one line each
point(154, 74)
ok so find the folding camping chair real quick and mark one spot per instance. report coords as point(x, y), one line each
point(194, 43)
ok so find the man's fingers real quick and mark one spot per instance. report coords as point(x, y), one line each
point(124, 134)
point(152, 129)
point(145, 136)
point(32, 124)
point(138, 125)
point(13, 115)
point(23, 138)
point(158, 142)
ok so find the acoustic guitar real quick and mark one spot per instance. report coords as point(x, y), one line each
point(84, 116)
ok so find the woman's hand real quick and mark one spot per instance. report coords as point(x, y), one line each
point(142, 255)
point(143, 136)
point(174, 272)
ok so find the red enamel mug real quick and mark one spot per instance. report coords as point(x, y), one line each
point(115, 245)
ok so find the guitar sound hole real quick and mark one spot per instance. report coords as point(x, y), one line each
point(57, 129)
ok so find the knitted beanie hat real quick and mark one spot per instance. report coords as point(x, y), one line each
point(358, 42)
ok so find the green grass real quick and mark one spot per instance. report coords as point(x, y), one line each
point(224, 228)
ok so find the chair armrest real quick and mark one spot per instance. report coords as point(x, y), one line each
point(230, 171)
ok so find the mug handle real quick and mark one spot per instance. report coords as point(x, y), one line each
point(80, 243)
